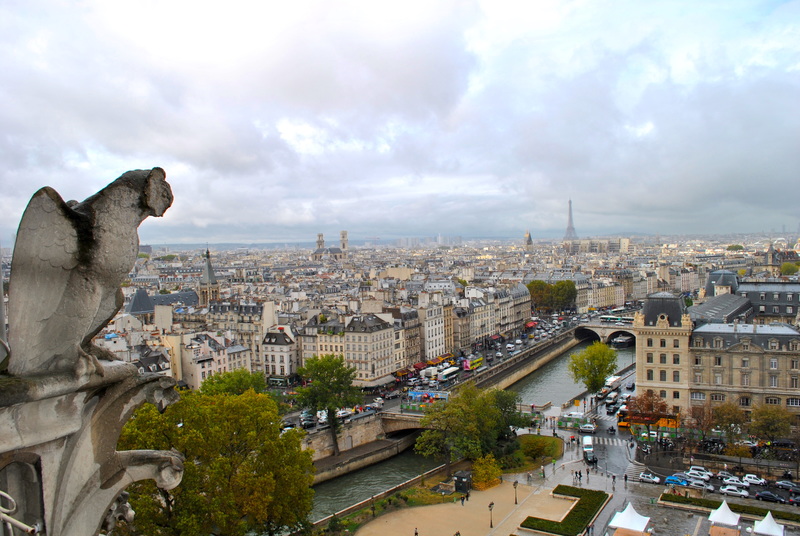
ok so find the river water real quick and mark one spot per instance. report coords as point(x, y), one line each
point(551, 383)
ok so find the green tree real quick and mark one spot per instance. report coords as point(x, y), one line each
point(466, 426)
point(235, 382)
point(788, 268)
point(508, 415)
point(730, 419)
point(770, 422)
point(564, 294)
point(241, 475)
point(329, 386)
point(593, 365)
point(541, 295)
point(735, 247)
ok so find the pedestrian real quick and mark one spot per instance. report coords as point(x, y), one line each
point(530, 478)
point(467, 494)
point(416, 532)
point(462, 500)
point(613, 478)
point(625, 478)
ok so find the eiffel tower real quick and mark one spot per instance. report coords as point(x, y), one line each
point(570, 234)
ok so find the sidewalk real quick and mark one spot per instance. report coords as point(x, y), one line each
point(473, 518)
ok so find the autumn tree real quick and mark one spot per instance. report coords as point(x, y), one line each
point(729, 418)
point(241, 475)
point(770, 422)
point(328, 387)
point(647, 408)
point(702, 418)
point(547, 297)
point(234, 383)
point(593, 366)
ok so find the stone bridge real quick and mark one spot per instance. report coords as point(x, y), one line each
point(602, 331)
point(395, 422)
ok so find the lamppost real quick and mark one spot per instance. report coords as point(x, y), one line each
point(515, 491)
point(491, 521)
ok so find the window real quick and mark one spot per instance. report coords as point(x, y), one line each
point(795, 362)
point(776, 296)
point(662, 394)
point(717, 343)
point(649, 342)
point(698, 360)
point(717, 397)
point(649, 357)
point(794, 382)
point(717, 361)
point(676, 376)
point(745, 362)
point(676, 394)
point(763, 296)
point(676, 359)
point(744, 401)
point(662, 358)
point(773, 381)
point(698, 377)
point(773, 364)
point(794, 402)
point(676, 343)
point(663, 343)
point(698, 396)
point(789, 309)
point(773, 345)
point(650, 375)
point(745, 380)
point(788, 297)
point(698, 342)
point(776, 309)
point(717, 378)
point(772, 401)
point(662, 375)
point(762, 309)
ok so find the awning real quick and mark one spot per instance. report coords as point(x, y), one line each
point(530, 324)
point(420, 366)
point(495, 337)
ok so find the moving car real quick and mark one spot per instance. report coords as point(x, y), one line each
point(734, 491)
point(674, 480)
point(753, 479)
point(700, 484)
point(589, 456)
point(630, 386)
point(788, 485)
point(588, 428)
point(724, 474)
point(769, 496)
point(699, 475)
point(649, 478)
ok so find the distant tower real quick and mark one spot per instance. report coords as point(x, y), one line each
point(209, 286)
point(320, 241)
point(570, 235)
point(528, 240)
point(343, 237)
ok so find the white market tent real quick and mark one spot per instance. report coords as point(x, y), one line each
point(630, 519)
point(724, 516)
point(768, 526)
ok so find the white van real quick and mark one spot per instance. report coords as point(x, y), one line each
point(509, 347)
point(588, 443)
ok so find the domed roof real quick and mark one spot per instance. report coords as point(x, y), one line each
point(721, 278)
point(669, 305)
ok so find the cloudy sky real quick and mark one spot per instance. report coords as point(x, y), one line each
point(278, 120)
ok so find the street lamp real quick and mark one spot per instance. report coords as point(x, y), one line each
point(515, 491)
point(491, 521)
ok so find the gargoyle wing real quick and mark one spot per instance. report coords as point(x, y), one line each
point(46, 252)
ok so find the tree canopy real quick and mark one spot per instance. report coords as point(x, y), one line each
point(730, 419)
point(469, 424)
point(328, 387)
point(241, 475)
point(593, 366)
point(235, 382)
point(555, 297)
point(735, 247)
point(770, 422)
point(789, 268)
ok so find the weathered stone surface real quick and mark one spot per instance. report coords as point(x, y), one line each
point(61, 412)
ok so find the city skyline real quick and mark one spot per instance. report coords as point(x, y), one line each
point(474, 119)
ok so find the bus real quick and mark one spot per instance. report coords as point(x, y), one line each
point(448, 374)
point(472, 362)
point(622, 418)
point(616, 319)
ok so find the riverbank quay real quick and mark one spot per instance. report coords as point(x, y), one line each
point(361, 456)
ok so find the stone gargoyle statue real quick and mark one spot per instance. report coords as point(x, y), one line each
point(69, 262)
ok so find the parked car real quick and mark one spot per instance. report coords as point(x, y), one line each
point(753, 479)
point(392, 394)
point(769, 496)
point(734, 491)
point(722, 475)
point(733, 481)
point(588, 428)
point(794, 501)
point(700, 484)
point(649, 478)
point(676, 481)
point(498, 355)
point(701, 469)
point(699, 475)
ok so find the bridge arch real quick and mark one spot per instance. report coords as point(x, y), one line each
point(604, 333)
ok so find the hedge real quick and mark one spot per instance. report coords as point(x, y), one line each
point(756, 511)
point(589, 503)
